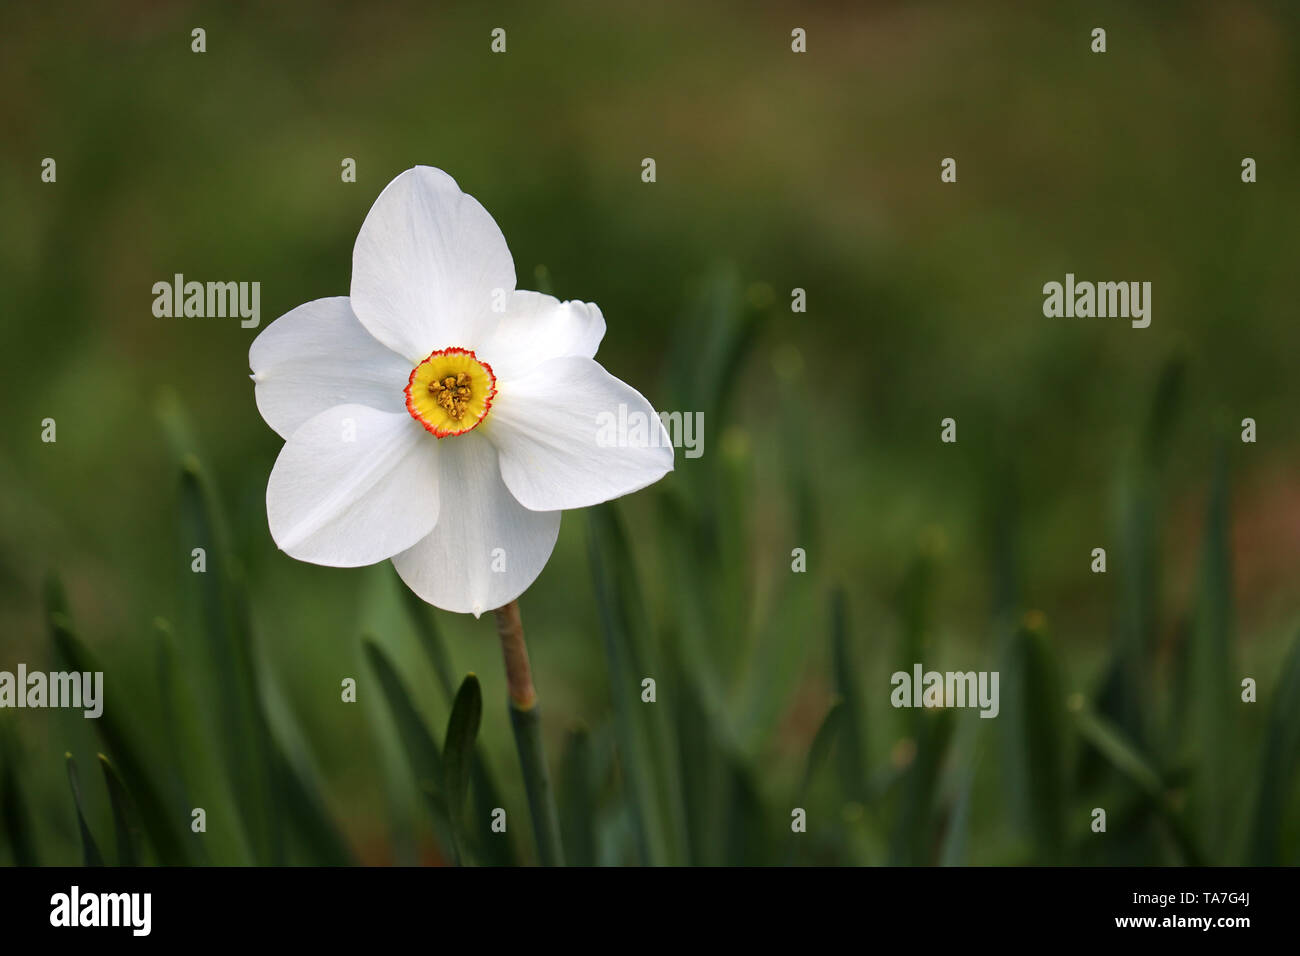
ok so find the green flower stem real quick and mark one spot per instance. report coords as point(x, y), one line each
point(527, 724)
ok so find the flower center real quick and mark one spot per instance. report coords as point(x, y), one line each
point(450, 392)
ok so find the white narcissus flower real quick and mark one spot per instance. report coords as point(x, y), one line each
point(438, 416)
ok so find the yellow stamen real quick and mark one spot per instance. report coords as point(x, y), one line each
point(450, 392)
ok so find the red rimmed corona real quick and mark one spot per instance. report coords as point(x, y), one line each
point(450, 392)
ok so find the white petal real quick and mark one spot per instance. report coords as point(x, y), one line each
point(426, 264)
point(538, 327)
point(353, 486)
point(572, 435)
point(459, 567)
point(318, 356)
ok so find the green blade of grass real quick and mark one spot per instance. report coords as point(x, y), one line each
point(486, 798)
point(696, 590)
point(713, 344)
point(458, 752)
point(123, 824)
point(748, 825)
point(1277, 766)
point(775, 665)
point(89, 849)
point(913, 838)
point(1032, 710)
point(914, 600)
point(852, 752)
point(828, 732)
point(1111, 742)
point(157, 820)
point(15, 822)
point(1166, 406)
point(218, 595)
point(706, 775)
point(426, 629)
point(483, 787)
point(1210, 716)
point(245, 739)
point(706, 498)
point(956, 835)
point(195, 765)
point(301, 804)
point(644, 735)
point(576, 807)
point(527, 726)
point(308, 816)
point(1129, 685)
point(422, 751)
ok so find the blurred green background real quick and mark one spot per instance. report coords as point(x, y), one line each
point(775, 170)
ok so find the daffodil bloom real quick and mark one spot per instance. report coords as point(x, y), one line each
point(437, 416)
